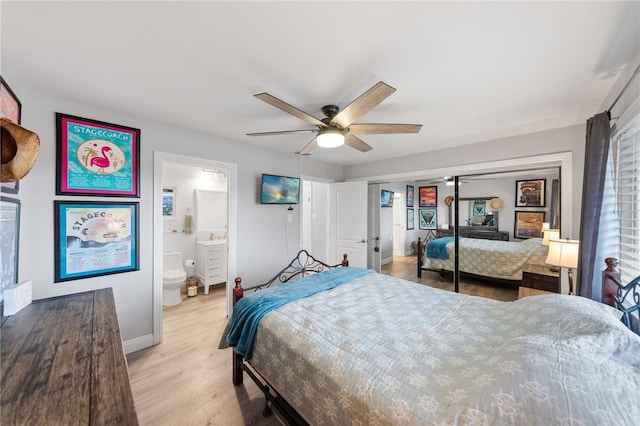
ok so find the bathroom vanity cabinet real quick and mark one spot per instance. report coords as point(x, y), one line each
point(211, 262)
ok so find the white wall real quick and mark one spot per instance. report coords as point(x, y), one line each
point(265, 239)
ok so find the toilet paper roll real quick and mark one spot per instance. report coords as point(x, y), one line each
point(189, 262)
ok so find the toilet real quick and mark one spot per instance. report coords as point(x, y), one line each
point(173, 276)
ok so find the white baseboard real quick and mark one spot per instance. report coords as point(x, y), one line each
point(138, 343)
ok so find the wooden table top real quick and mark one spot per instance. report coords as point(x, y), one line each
point(63, 363)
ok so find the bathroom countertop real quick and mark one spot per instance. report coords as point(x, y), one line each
point(211, 242)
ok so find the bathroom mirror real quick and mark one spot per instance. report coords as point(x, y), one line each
point(211, 210)
point(475, 212)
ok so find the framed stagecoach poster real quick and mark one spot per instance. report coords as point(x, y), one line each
point(94, 238)
point(96, 158)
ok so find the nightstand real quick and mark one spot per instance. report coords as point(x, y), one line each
point(538, 279)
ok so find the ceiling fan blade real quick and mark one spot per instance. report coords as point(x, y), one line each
point(282, 105)
point(282, 132)
point(309, 147)
point(356, 143)
point(382, 128)
point(363, 104)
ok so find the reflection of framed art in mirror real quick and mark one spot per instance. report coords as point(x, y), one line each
point(530, 193)
point(410, 195)
point(427, 218)
point(428, 196)
point(410, 219)
point(528, 224)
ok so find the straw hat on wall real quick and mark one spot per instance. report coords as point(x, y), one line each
point(496, 204)
point(20, 149)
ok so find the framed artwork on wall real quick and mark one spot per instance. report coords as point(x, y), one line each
point(530, 193)
point(428, 196)
point(168, 202)
point(410, 195)
point(528, 224)
point(427, 218)
point(96, 158)
point(410, 219)
point(94, 238)
point(9, 240)
point(11, 108)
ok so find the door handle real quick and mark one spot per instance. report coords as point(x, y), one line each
point(362, 241)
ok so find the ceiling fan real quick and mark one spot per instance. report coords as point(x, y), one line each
point(338, 126)
point(448, 180)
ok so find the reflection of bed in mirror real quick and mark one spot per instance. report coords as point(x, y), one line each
point(500, 260)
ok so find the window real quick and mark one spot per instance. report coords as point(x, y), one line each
point(626, 145)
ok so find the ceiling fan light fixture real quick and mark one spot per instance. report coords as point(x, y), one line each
point(330, 138)
point(451, 182)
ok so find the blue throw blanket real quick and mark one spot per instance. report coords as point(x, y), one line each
point(249, 310)
point(437, 249)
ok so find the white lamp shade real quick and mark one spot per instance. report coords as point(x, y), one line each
point(549, 234)
point(330, 138)
point(563, 253)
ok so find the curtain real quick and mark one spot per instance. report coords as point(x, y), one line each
point(598, 136)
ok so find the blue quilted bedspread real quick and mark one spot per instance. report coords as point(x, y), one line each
point(249, 310)
point(437, 249)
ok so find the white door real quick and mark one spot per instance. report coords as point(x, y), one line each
point(374, 252)
point(398, 225)
point(348, 222)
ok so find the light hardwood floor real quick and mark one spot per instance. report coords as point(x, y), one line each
point(186, 380)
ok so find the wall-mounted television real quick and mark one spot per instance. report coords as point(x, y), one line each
point(386, 198)
point(279, 189)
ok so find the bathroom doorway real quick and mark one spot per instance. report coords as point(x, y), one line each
point(179, 185)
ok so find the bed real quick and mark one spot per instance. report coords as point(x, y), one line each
point(375, 349)
point(500, 260)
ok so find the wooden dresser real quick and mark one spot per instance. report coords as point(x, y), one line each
point(474, 232)
point(63, 363)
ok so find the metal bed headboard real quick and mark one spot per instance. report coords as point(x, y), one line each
point(301, 265)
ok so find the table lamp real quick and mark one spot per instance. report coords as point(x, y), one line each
point(549, 234)
point(564, 254)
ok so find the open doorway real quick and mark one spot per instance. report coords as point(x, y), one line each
point(177, 230)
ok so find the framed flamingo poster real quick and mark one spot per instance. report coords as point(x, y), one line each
point(96, 158)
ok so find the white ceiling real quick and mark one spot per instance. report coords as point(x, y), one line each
point(467, 71)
